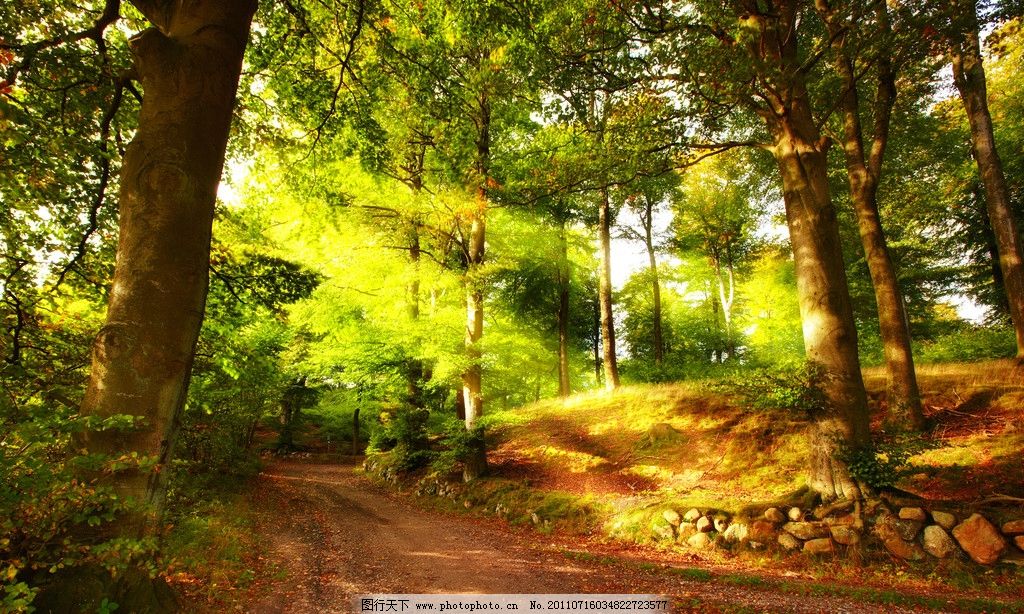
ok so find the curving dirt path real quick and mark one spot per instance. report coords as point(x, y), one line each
point(339, 536)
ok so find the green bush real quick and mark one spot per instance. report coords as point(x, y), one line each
point(887, 461)
point(458, 443)
point(51, 517)
point(794, 388)
point(968, 344)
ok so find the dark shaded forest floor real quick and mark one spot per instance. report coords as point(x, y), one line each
point(330, 535)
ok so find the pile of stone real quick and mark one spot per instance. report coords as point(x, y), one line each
point(437, 487)
point(911, 533)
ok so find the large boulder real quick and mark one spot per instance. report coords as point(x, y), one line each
point(772, 514)
point(788, 542)
point(700, 541)
point(691, 515)
point(845, 535)
point(937, 542)
point(1014, 527)
point(819, 546)
point(980, 539)
point(686, 529)
point(913, 513)
point(762, 530)
point(672, 517)
point(735, 533)
point(704, 524)
point(887, 532)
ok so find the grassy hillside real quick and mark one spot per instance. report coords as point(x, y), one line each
point(646, 448)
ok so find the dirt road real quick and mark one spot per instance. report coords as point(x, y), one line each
point(338, 536)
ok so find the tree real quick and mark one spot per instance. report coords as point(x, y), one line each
point(644, 198)
point(969, 78)
point(715, 212)
point(740, 64)
point(852, 31)
point(188, 64)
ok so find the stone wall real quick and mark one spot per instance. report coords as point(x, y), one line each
point(910, 533)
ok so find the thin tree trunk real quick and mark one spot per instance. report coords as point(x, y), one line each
point(611, 370)
point(564, 389)
point(969, 77)
point(414, 368)
point(355, 430)
point(189, 65)
point(475, 465)
point(863, 172)
point(659, 340)
point(598, 371)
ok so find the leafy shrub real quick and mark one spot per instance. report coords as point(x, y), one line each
point(51, 517)
point(404, 433)
point(887, 461)
point(458, 444)
point(969, 344)
point(792, 388)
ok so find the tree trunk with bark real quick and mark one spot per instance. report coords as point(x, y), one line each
point(414, 367)
point(355, 429)
point(475, 463)
point(830, 337)
point(564, 388)
point(863, 170)
point(188, 64)
point(598, 371)
point(647, 219)
point(611, 369)
point(969, 77)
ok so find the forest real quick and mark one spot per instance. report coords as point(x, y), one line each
point(677, 294)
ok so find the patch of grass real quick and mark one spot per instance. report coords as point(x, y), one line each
point(692, 573)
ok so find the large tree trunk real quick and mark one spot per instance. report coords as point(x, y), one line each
point(863, 172)
point(611, 369)
point(830, 337)
point(969, 77)
point(564, 389)
point(189, 66)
